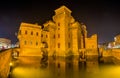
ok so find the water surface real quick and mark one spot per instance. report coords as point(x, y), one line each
point(71, 67)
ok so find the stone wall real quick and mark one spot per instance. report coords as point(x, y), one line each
point(5, 58)
point(111, 52)
point(91, 52)
point(116, 53)
point(107, 53)
point(91, 43)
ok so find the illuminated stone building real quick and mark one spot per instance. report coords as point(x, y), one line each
point(5, 43)
point(29, 39)
point(62, 35)
point(111, 44)
point(117, 40)
point(91, 43)
point(115, 43)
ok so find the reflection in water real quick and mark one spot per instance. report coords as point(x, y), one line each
point(44, 62)
point(70, 67)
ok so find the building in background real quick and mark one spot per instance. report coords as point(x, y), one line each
point(115, 43)
point(61, 36)
point(5, 43)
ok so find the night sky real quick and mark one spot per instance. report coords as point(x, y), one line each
point(100, 17)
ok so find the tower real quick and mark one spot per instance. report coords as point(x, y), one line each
point(62, 19)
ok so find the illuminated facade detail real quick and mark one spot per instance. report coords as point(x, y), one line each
point(5, 43)
point(117, 38)
point(68, 32)
point(115, 43)
point(29, 39)
point(62, 34)
point(111, 48)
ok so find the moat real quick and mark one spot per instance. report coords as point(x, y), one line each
point(69, 67)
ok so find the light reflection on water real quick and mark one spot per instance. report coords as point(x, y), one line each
point(36, 67)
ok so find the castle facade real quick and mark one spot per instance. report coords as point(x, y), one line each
point(61, 36)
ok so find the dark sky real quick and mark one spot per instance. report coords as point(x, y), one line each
point(101, 17)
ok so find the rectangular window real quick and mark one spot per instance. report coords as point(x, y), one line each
point(31, 32)
point(68, 45)
point(58, 45)
point(58, 35)
point(41, 35)
point(58, 24)
point(36, 33)
point(25, 32)
point(25, 42)
point(54, 36)
point(69, 35)
point(36, 43)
